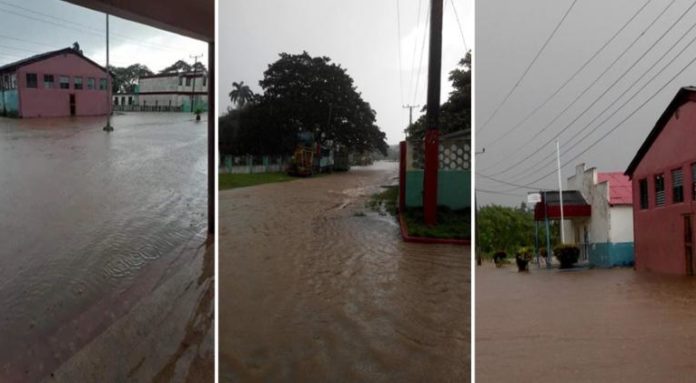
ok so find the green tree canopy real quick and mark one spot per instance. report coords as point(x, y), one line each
point(182, 66)
point(303, 93)
point(125, 78)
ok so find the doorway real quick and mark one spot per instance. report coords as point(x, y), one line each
point(688, 245)
point(72, 105)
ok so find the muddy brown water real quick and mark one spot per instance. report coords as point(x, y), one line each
point(312, 290)
point(614, 325)
point(89, 223)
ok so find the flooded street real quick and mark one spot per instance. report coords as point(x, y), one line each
point(314, 287)
point(584, 326)
point(91, 223)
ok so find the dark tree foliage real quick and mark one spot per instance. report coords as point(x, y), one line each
point(182, 66)
point(302, 93)
point(125, 78)
point(455, 113)
point(241, 94)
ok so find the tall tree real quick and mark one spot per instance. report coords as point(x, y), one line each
point(241, 94)
point(125, 78)
point(313, 94)
point(302, 93)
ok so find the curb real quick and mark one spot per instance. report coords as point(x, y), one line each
point(408, 238)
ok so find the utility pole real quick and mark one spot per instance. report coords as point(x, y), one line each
point(410, 112)
point(108, 127)
point(432, 132)
point(193, 84)
point(560, 188)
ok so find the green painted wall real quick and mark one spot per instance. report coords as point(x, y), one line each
point(9, 103)
point(609, 254)
point(453, 188)
point(186, 106)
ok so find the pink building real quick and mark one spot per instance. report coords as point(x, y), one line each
point(54, 84)
point(663, 173)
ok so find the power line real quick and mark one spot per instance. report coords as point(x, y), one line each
point(596, 99)
point(524, 74)
point(616, 99)
point(497, 192)
point(508, 183)
point(634, 95)
point(605, 135)
point(566, 82)
point(82, 28)
point(461, 31)
point(415, 48)
point(398, 32)
point(420, 61)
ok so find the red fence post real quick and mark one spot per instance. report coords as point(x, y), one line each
point(402, 177)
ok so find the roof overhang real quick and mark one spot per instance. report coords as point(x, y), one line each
point(195, 19)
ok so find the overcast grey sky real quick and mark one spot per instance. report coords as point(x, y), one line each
point(361, 35)
point(508, 36)
point(35, 26)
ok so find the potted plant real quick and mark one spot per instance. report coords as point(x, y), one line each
point(499, 258)
point(567, 255)
point(198, 112)
point(522, 258)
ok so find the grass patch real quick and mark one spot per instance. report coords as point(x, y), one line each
point(451, 224)
point(385, 202)
point(233, 181)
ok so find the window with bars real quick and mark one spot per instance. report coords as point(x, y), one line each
point(77, 82)
point(32, 80)
point(677, 186)
point(64, 82)
point(643, 184)
point(91, 83)
point(48, 81)
point(660, 190)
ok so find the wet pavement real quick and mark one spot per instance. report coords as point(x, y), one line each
point(614, 325)
point(91, 223)
point(315, 288)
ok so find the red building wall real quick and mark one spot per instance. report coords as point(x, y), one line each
point(659, 230)
point(55, 102)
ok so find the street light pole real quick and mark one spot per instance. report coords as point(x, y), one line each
point(108, 127)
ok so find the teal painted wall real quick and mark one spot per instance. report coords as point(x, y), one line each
point(453, 188)
point(186, 105)
point(9, 103)
point(609, 254)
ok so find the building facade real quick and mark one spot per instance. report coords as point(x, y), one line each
point(167, 92)
point(54, 84)
point(605, 238)
point(663, 174)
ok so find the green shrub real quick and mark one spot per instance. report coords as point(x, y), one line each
point(567, 255)
point(524, 253)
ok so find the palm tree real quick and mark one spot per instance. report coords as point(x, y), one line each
point(241, 94)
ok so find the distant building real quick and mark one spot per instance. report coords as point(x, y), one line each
point(605, 238)
point(53, 84)
point(663, 174)
point(167, 92)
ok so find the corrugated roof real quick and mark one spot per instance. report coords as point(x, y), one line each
point(620, 189)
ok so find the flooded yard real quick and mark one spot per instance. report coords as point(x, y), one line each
point(314, 287)
point(596, 325)
point(90, 224)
